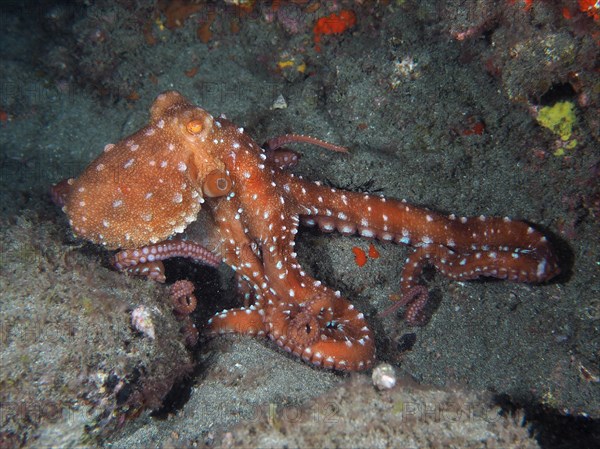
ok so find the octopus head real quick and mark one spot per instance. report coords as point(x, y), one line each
point(150, 185)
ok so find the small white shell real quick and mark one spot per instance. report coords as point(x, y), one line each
point(384, 376)
point(141, 320)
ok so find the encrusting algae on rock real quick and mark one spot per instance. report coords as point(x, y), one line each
point(560, 119)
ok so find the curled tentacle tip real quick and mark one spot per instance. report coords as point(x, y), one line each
point(414, 299)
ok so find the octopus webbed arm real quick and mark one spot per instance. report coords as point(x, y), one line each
point(240, 253)
point(326, 330)
point(311, 320)
point(257, 223)
point(147, 260)
point(461, 248)
point(302, 315)
point(295, 310)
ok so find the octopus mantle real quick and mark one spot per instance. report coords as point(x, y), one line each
point(186, 165)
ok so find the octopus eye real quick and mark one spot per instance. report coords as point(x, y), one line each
point(216, 183)
point(194, 126)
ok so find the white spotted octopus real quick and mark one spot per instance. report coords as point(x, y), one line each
point(141, 192)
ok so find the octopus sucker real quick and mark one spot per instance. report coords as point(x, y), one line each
point(187, 170)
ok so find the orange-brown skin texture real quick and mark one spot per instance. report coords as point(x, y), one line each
point(152, 184)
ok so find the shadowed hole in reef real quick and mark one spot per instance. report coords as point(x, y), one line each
point(213, 292)
point(551, 428)
point(211, 297)
point(174, 400)
point(180, 393)
point(406, 342)
point(556, 93)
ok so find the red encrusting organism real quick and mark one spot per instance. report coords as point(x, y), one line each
point(477, 129)
point(360, 257)
point(591, 8)
point(333, 24)
point(373, 253)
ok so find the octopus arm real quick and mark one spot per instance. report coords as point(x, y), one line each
point(460, 247)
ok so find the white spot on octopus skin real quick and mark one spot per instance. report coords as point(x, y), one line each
point(367, 233)
point(181, 166)
point(541, 268)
